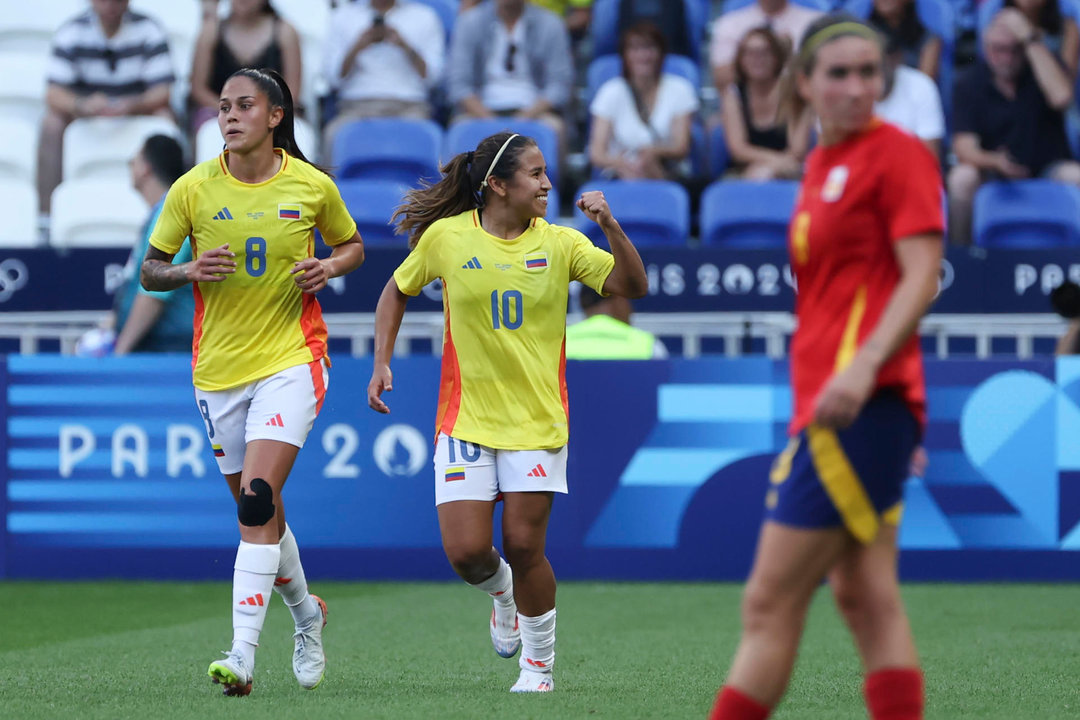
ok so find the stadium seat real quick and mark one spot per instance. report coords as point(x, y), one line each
point(96, 212)
point(743, 214)
point(1026, 214)
point(465, 135)
point(22, 92)
point(209, 144)
point(719, 159)
point(605, 25)
point(181, 21)
point(397, 150)
point(18, 151)
point(372, 203)
point(29, 26)
point(102, 147)
point(606, 67)
point(652, 212)
point(822, 5)
point(19, 229)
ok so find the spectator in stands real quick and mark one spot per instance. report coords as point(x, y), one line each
point(787, 20)
point(153, 321)
point(1055, 29)
point(1009, 119)
point(383, 57)
point(576, 13)
point(641, 121)
point(606, 333)
point(106, 62)
point(911, 99)
point(764, 143)
point(670, 16)
point(898, 21)
point(253, 35)
point(510, 58)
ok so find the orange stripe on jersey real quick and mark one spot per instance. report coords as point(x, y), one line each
point(197, 329)
point(849, 341)
point(313, 326)
point(449, 385)
point(317, 381)
point(475, 219)
point(221, 162)
point(563, 393)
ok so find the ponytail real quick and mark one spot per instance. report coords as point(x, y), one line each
point(278, 94)
point(463, 185)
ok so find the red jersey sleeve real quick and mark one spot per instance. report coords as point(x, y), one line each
point(911, 195)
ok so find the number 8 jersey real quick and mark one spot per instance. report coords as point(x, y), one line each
point(504, 305)
point(256, 322)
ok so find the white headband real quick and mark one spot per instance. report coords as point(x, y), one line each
point(496, 161)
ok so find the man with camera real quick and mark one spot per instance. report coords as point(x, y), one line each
point(382, 58)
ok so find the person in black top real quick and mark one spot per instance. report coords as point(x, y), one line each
point(898, 21)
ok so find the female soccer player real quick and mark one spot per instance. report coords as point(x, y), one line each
point(259, 360)
point(866, 244)
point(502, 416)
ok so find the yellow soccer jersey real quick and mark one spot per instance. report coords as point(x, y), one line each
point(504, 301)
point(256, 322)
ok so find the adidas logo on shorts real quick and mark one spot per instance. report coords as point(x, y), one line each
point(537, 471)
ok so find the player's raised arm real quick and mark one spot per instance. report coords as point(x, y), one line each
point(627, 278)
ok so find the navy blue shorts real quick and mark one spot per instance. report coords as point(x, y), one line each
point(852, 478)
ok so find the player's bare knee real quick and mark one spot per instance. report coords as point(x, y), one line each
point(256, 508)
point(761, 607)
point(471, 563)
point(522, 552)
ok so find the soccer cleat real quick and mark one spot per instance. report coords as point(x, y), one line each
point(530, 681)
point(233, 674)
point(309, 660)
point(505, 635)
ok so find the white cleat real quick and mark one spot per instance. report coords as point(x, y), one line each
point(233, 674)
point(531, 681)
point(309, 660)
point(505, 635)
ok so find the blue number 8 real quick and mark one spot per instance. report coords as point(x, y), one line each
point(256, 254)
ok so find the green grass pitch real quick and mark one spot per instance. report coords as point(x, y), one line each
point(401, 650)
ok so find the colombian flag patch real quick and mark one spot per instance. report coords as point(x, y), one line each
point(218, 452)
point(455, 473)
point(288, 212)
point(536, 261)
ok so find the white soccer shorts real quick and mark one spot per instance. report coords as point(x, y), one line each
point(468, 471)
point(281, 407)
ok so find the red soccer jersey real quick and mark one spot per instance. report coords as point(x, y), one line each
point(858, 197)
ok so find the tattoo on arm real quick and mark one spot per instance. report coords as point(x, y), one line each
point(158, 272)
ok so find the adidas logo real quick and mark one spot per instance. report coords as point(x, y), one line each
point(537, 471)
point(275, 421)
point(223, 214)
point(473, 264)
point(254, 600)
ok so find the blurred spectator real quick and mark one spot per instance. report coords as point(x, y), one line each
point(1009, 117)
point(510, 58)
point(898, 21)
point(576, 13)
point(668, 15)
point(606, 333)
point(641, 121)
point(763, 142)
point(106, 62)
point(1055, 29)
point(911, 100)
point(253, 35)
point(153, 321)
point(787, 20)
point(383, 57)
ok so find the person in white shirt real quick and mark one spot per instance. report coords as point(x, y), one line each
point(383, 57)
point(784, 18)
point(911, 100)
point(641, 121)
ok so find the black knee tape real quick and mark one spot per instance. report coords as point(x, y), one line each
point(257, 507)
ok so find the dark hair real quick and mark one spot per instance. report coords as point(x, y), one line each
point(165, 157)
point(651, 32)
point(1050, 20)
point(278, 94)
point(779, 49)
point(460, 187)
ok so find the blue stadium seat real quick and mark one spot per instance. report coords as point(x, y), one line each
point(371, 203)
point(465, 135)
point(605, 25)
point(397, 150)
point(606, 67)
point(822, 5)
point(1027, 214)
point(719, 159)
point(743, 214)
point(652, 212)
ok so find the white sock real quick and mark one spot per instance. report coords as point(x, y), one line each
point(500, 585)
point(253, 581)
point(291, 583)
point(537, 642)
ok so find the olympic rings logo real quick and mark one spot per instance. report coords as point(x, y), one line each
point(13, 276)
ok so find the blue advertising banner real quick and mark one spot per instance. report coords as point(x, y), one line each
point(680, 280)
point(108, 472)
